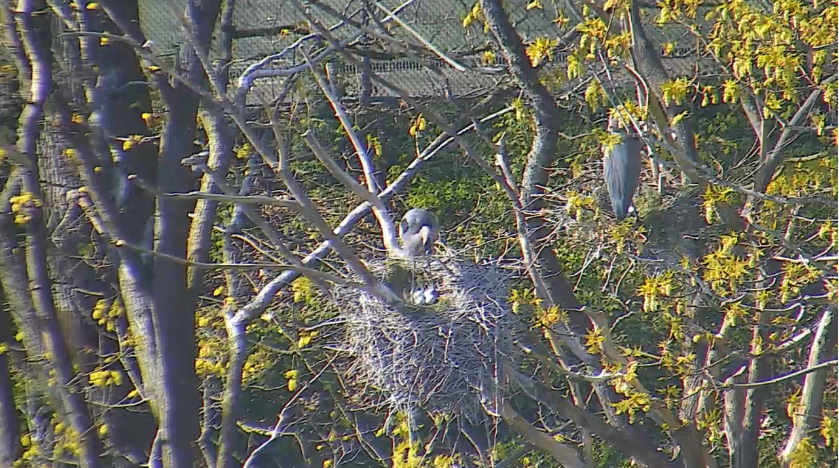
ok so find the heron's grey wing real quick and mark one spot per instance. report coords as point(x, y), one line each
point(634, 148)
point(621, 171)
point(613, 162)
point(434, 227)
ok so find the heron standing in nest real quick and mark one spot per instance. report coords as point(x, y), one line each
point(418, 231)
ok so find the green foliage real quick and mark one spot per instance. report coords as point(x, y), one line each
point(670, 282)
point(541, 49)
point(675, 91)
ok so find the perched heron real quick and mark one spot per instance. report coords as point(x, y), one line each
point(621, 169)
point(418, 232)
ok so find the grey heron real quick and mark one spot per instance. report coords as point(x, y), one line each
point(418, 231)
point(621, 169)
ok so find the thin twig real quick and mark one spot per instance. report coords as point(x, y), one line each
point(249, 266)
point(425, 42)
point(732, 386)
point(282, 419)
point(235, 199)
point(381, 213)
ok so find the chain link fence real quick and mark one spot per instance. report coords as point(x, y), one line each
point(264, 28)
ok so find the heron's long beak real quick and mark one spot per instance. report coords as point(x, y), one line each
point(425, 234)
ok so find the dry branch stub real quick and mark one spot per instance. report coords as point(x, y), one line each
point(444, 357)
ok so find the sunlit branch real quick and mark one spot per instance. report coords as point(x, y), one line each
point(790, 376)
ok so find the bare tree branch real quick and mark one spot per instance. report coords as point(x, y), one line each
point(784, 378)
point(34, 36)
point(563, 453)
point(218, 197)
point(369, 195)
point(773, 159)
point(808, 412)
point(418, 36)
point(379, 209)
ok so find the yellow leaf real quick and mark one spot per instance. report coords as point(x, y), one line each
point(561, 20)
point(518, 105)
point(730, 90)
point(675, 90)
point(467, 21)
point(575, 67)
point(595, 94)
point(103, 41)
point(679, 118)
point(92, 6)
point(292, 385)
point(534, 4)
point(611, 4)
point(489, 57)
point(804, 455)
point(709, 213)
point(829, 430)
point(540, 49)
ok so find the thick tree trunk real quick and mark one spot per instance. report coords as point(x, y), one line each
point(35, 38)
point(174, 315)
point(10, 446)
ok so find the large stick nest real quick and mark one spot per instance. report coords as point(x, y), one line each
point(441, 357)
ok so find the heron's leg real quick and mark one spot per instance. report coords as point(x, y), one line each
point(413, 276)
point(429, 280)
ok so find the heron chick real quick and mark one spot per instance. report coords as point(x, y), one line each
point(622, 169)
point(418, 231)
